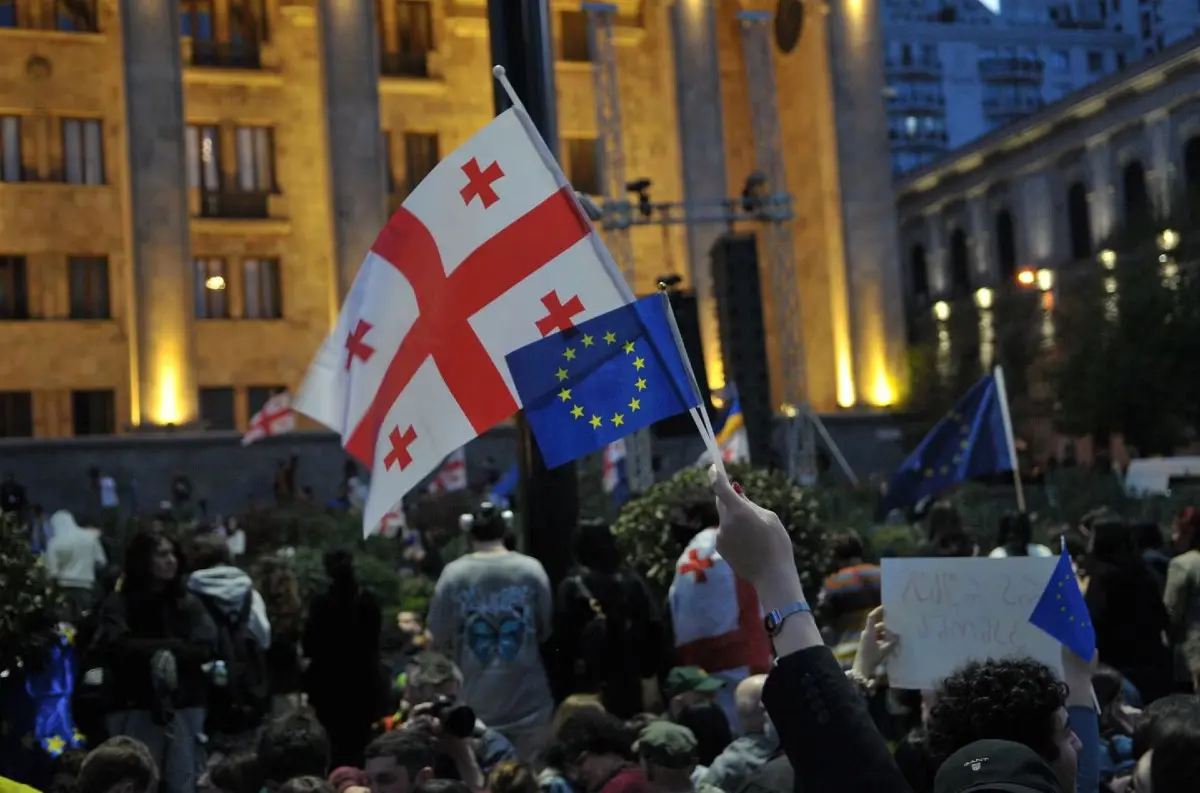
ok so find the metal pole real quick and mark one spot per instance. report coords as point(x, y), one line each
point(548, 500)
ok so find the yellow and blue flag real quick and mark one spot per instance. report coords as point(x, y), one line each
point(1062, 611)
point(589, 385)
point(969, 442)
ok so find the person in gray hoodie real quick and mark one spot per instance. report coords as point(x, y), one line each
point(225, 588)
point(73, 556)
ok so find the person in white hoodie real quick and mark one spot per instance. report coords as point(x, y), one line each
point(73, 555)
point(223, 587)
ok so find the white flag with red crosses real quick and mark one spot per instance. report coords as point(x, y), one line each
point(489, 253)
point(275, 418)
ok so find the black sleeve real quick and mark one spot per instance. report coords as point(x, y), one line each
point(825, 729)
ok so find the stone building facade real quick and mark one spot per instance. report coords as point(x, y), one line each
point(180, 215)
point(1029, 202)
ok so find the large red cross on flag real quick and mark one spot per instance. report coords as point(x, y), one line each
point(489, 253)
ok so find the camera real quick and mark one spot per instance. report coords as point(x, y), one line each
point(456, 718)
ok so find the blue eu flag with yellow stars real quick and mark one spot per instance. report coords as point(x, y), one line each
point(1063, 613)
point(603, 379)
point(969, 442)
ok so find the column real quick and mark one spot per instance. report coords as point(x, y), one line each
point(979, 234)
point(935, 254)
point(1103, 193)
point(350, 45)
point(1033, 211)
point(702, 154)
point(164, 387)
point(1161, 168)
point(869, 225)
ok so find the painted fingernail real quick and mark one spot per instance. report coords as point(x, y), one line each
point(737, 488)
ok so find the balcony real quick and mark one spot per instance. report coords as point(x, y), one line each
point(219, 55)
point(917, 103)
point(918, 140)
point(1011, 106)
point(75, 16)
point(913, 69)
point(1011, 70)
point(235, 206)
point(414, 65)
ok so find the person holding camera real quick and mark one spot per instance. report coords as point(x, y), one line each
point(491, 611)
point(433, 688)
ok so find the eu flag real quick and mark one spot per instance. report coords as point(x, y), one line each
point(599, 381)
point(969, 442)
point(1063, 613)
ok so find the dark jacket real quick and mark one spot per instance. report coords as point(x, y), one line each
point(133, 628)
point(1130, 619)
point(635, 638)
point(825, 729)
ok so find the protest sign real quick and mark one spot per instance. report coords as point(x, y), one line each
point(950, 611)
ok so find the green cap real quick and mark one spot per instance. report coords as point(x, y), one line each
point(688, 679)
point(667, 744)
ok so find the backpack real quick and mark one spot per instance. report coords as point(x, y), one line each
point(593, 639)
point(240, 698)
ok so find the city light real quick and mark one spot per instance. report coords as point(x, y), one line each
point(1045, 280)
point(941, 311)
point(1026, 277)
point(214, 282)
point(1108, 258)
point(983, 298)
point(1168, 240)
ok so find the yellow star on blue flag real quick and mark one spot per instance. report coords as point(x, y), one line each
point(639, 376)
point(971, 441)
point(1062, 611)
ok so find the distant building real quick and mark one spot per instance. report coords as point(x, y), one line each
point(958, 70)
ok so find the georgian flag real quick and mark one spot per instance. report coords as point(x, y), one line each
point(615, 475)
point(731, 439)
point(716, 616)
point(452, 475)
point(488, 254)
point(275, 418)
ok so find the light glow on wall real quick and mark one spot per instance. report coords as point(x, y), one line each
point(167, 405)
point(845, 379)
point(882, 393)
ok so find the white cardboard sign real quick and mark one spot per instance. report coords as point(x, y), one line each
point(951, 611)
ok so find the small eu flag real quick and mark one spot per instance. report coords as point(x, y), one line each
point(1063, 613)
point(599, 381)
point(969, 442)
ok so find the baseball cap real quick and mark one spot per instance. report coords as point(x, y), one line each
point(995, 767)
point(686, 679)
point(667, 744)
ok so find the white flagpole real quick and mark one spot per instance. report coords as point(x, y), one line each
point(1002, 394)
point(699, 414)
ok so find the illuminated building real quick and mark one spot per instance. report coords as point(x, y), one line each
point(180, 215)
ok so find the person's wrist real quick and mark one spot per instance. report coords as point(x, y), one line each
point(779, 588)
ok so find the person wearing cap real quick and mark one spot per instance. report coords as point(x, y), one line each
point(668, 753)
point(993, 766)
point(686, 685)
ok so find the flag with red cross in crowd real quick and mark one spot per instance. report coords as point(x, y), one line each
point(276, 417)
point(491, 252)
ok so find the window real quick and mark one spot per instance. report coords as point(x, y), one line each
point(83, 151)
point(255, 159)
point(211, 302)
point(582, 167)
point(257, 395)
point(216, 408)
point(414, 27)
point(14, 294)
point(1079, 221)
point(407, 33)
point(248, 24)
point(919, 273)
point(1138, 212)
point(573, 45)
point(88, 287)
point(260, 288)
point(1006, 245)
point(960, 263)
point(8, 13)
point(94, 412)
point(16, 407)
point(202, 147)
point(10, 147)
point(76, 15)
point(421, 156)
point(196, 19)
point(1095, 62)
point(1147, 25)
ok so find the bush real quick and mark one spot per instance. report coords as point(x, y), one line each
point(653, 529)
point(29, 600)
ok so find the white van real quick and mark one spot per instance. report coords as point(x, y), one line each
point(1156, 476)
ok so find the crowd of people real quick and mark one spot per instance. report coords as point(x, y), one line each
point(195, 674)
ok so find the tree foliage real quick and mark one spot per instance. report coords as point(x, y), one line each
point(29, 600)
point(653, 529)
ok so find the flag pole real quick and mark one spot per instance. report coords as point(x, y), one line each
point(699, 414)
point(1002, 394)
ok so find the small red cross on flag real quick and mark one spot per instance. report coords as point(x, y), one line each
point(275, 418)
point(489, 253)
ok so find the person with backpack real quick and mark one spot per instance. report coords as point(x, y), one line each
point(239, 687)
point(609, 633)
